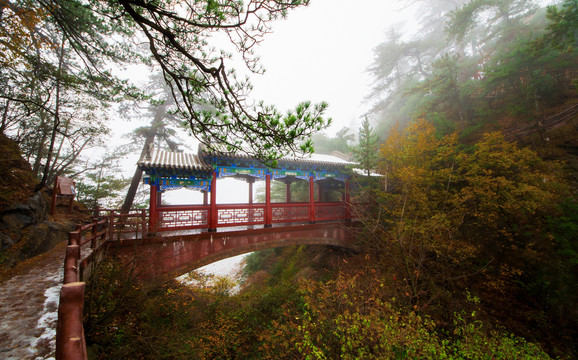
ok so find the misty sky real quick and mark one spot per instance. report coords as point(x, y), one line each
point(321, 53)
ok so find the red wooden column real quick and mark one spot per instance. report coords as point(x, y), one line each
point(268, 207)
point(311, 199)
point(251, 211)
point(213, 213)
point(320, 190)
point(347, 201)
point(70, 341)
point(288, 192)
point(153, 213)
point(205, 198)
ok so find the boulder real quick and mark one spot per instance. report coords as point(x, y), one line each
point(43, 237)
point(25, 232)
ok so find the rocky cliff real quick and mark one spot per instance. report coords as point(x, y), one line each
point(25, 230)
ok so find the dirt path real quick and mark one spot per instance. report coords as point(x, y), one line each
point(28, 307)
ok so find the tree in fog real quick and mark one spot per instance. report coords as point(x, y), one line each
point(366, 151)
point(482, 66)
point(180, 37)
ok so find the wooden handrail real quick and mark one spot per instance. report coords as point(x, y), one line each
point(70, 341)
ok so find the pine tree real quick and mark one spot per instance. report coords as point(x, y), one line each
point(366, 152)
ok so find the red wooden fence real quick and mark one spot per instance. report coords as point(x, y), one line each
point(228, 215)
point(70, 341)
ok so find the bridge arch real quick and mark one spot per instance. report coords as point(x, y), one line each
point(171, 256)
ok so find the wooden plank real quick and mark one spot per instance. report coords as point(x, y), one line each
point(65, 186)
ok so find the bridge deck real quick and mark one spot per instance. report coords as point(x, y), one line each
point(219, 230)
point(172, 254)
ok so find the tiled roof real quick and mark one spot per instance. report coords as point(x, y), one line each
point(318, 159)
point(161, 159)
point(321, 159)
point(173, 160)
point(364, 173)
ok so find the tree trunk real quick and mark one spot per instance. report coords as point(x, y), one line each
point(39, 145)
point(4, 125)
point(160, 114)
point(56, 124)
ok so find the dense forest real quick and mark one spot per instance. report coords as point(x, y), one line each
point(468, 244)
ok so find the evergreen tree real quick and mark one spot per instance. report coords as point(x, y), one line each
point(101, 186)
point(365, 153)
point(159, 129)
point(563, 27)
point(326, 144)
point(179, 37)
point(56, 83)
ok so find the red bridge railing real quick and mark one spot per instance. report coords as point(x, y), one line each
point(70, 340)
point(86, 239)
point(229, 215)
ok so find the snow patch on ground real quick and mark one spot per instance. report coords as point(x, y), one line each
point(29, 306)
point(47, 322)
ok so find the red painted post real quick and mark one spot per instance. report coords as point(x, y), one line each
point(70, 342)
point(213, 213)
point(153, 213)
point(71, 264)
point(74, 238)
point(205, 198)
point(311, 199)
point(268, 207)
point(347, 201)
point(159, 199)
point(251, 216)
point(288, 192)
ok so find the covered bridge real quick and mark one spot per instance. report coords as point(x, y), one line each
point(174, 170)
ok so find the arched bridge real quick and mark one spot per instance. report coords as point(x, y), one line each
point(167, 241)
point(174, 255)
point(167, 256)
point(170, 254)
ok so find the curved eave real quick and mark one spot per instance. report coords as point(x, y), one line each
point(309, 162)
point(319, 160)
point(159, 159)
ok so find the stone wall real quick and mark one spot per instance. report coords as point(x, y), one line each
point(25, 231)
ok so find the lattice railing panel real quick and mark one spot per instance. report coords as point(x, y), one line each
point(330, 212)
point(192, 218)
point(290, 213)
point(240, 216)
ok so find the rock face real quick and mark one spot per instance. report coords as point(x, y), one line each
point(25, 232)
point(24, 229)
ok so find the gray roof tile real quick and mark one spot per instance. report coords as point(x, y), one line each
point(173, 160)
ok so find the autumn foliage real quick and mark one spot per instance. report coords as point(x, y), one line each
point(468, 252)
